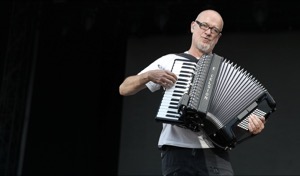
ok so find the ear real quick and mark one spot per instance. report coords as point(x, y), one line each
point(192, 27)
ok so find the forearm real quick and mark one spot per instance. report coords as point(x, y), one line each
point(133, 84)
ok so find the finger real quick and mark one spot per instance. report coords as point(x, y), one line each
point(169, 85)
point(171, 77)
point(165, 84)
point(263, 119)
point(251, 125)
point(255, 120)
point(168, 82)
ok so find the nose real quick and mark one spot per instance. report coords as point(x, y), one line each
point(208, 31)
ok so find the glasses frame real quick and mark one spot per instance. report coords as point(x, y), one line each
point(205, 26)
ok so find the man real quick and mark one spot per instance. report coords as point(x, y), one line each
point(183, 151)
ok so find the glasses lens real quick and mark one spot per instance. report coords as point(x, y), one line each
point(205, 26)
point(215, 31)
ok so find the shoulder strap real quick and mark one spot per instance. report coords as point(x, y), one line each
point(188, 56)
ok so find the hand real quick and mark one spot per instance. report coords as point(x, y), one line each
point(163, 77)
point(256, 124)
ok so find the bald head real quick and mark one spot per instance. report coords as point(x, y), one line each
point(213, 17)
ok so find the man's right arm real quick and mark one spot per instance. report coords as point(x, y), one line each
point(133, 84)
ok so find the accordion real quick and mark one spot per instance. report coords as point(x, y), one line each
point(214, 95)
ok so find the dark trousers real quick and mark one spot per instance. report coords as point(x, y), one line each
point(178, 161)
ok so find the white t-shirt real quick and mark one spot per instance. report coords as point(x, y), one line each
point(173, 134)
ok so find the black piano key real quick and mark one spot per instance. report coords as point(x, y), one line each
point(182, 75)
point(181, 87)
point(172, 116)
point(183, 80)
point(178, 91)
point(181, 83)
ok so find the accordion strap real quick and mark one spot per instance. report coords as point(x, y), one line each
point(186, 55)
point(192, 58)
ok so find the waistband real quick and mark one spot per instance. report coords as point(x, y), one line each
point(171, 147)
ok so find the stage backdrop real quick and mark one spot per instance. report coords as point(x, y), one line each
point(272, 58)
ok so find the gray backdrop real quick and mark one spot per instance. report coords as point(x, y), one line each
point(272, 58)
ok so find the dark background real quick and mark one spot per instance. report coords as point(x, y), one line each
point(62, 62)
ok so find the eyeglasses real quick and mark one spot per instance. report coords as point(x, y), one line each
point(205, 26)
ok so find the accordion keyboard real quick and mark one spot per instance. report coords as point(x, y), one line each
point(184, 71)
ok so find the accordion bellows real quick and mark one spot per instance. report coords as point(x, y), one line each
point(216, 96)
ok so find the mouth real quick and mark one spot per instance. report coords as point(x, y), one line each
point(206, 40)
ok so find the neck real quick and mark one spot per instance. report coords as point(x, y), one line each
point(198, 54)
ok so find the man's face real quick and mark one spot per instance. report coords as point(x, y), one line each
point(206, 32)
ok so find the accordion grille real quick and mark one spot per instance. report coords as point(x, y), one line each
point(235, 89)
